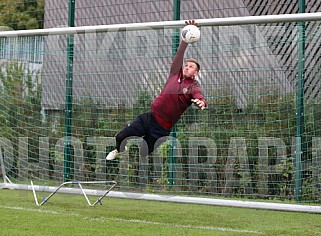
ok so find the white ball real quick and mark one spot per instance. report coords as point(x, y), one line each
point(190, 34)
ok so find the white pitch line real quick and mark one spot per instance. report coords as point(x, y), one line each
point(136, 221)
point(175, 225)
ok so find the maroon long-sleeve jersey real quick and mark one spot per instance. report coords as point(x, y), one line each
point(177, 93)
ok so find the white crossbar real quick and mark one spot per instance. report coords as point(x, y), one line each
point(226, 21)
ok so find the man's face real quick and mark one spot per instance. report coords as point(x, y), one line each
point(190, 70)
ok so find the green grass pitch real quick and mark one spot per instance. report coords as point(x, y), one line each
point(67, 214)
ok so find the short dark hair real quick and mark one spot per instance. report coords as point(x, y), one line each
point(195, 61)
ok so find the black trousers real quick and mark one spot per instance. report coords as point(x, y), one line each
point(145, 126)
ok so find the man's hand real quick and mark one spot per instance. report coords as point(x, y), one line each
point(200, 104)
point(191, 22)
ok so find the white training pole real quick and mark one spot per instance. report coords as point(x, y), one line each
point(34, 194)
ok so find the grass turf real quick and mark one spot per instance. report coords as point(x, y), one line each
point(67, 214)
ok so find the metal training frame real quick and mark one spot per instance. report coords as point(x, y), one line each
point(8, 184)
point(79, 183)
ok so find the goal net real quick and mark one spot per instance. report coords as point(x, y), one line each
point(66, 92)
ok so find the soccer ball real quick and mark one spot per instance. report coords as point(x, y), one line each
point(190, 34)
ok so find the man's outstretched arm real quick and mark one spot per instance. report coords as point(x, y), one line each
point(179, 56)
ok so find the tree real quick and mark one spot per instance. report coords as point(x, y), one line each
point(22, 14)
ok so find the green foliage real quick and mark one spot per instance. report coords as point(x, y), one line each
point(85, 116)
point(20, 96)
point(142, 104)
point(20, 102)
point(22, 15)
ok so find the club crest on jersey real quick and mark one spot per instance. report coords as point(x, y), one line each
point(185, 90)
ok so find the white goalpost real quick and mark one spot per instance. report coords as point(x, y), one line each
point(6, 180)
point(110, 185)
